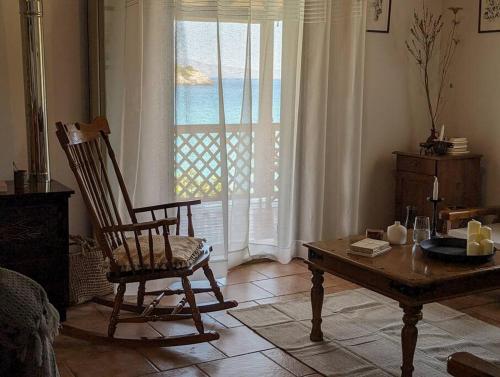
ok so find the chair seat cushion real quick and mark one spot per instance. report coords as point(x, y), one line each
point(185, 251)
point(495, 233)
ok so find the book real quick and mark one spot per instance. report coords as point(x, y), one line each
point(370, 255)
point(369, 247)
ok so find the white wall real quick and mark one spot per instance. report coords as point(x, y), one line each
point(473, 110)
point(67, 88)
point(395, 117)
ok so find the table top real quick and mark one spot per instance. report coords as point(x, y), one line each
point(406, 263)
point(36, 189)
point(441, 157)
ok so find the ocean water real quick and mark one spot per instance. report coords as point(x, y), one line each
point(199, 104)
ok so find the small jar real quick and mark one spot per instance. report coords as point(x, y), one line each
point(397, 234)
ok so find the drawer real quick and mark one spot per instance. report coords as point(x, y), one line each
point(416, 165)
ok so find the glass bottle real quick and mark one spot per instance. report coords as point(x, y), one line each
point(411, 213)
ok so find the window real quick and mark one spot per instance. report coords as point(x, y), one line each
point(253, 155)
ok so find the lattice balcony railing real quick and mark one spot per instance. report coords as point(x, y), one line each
point(252, 161)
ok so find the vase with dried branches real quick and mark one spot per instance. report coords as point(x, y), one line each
point(422, 45)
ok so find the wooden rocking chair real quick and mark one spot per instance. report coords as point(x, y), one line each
point(137, 252)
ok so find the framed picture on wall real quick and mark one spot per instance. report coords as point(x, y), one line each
point(378, 19)
point(489, 16)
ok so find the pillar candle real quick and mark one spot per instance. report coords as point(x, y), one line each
point(435, 191)
point(474, 248)
point(473, 227)
point(486, 232)
point(487, 246)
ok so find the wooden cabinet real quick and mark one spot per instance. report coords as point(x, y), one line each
point(459, 181)
point(34, 237)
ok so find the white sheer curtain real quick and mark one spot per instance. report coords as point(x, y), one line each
point(330, 123)
point(254, 106)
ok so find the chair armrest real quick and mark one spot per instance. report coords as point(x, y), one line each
point(167, 206)
point(464, 364)
point(468, 213)
point(177, 205)
point(141, 226)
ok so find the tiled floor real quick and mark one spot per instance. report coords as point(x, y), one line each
point(239, 351)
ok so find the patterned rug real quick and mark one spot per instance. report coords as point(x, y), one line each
point(362, 334)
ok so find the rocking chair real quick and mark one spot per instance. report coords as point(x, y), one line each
point(139, 251)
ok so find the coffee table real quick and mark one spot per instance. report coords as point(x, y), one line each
point(404, 274)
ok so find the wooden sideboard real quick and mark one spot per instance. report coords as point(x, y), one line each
point(459, 181)
point(34, 236)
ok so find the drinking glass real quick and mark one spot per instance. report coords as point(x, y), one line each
point(421, 230)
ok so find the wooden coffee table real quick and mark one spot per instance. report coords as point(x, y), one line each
point(403, 274)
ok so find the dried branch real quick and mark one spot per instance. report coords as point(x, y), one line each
point(424, 35)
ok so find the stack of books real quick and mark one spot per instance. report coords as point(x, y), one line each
point(369, 247)
point(458, 146)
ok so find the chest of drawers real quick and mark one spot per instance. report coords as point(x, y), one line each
point(34, 236)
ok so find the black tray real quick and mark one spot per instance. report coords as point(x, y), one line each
point(451, 250)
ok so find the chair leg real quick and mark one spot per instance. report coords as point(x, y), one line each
point(141, 291)
point(192, 303)
point(116, 310)
point(213, 283)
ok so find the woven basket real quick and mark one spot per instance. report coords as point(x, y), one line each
point(87, 271)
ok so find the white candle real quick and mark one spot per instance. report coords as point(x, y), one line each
point(486, 232)
point(473, 227)
point(487, 246)
point(435, 191)
point(441, 134)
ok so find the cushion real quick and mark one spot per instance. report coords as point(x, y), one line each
point(185, 251)
point(495, 233)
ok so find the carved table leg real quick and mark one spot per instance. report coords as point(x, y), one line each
point(317, 293)
point(409, 334)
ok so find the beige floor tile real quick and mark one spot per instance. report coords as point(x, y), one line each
point(285, 285)
point(194, 284)
point(201, 298)
point(340, 288)
point(66, 347)
point(288, 362)
point(186, 326)
point(87, 317)
point(251, 365)
point(284, 298)
point(182, 372)
point(227, 319)
point(299, 261)
point(136, 330)
point(241, 275)
point(240, 340)
point(95, 317)
point(473, 300)
point(329, 279)
point(489, 313)
point(181, 356)
point(275, 269)
point(64, 370)
point(465, 302)
point(120, 362)
point(244, 292)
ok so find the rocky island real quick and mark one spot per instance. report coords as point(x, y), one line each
point(188, 75)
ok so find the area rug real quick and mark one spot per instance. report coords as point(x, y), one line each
point(362, 334)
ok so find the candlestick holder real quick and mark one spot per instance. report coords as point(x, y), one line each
point(435, 203)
